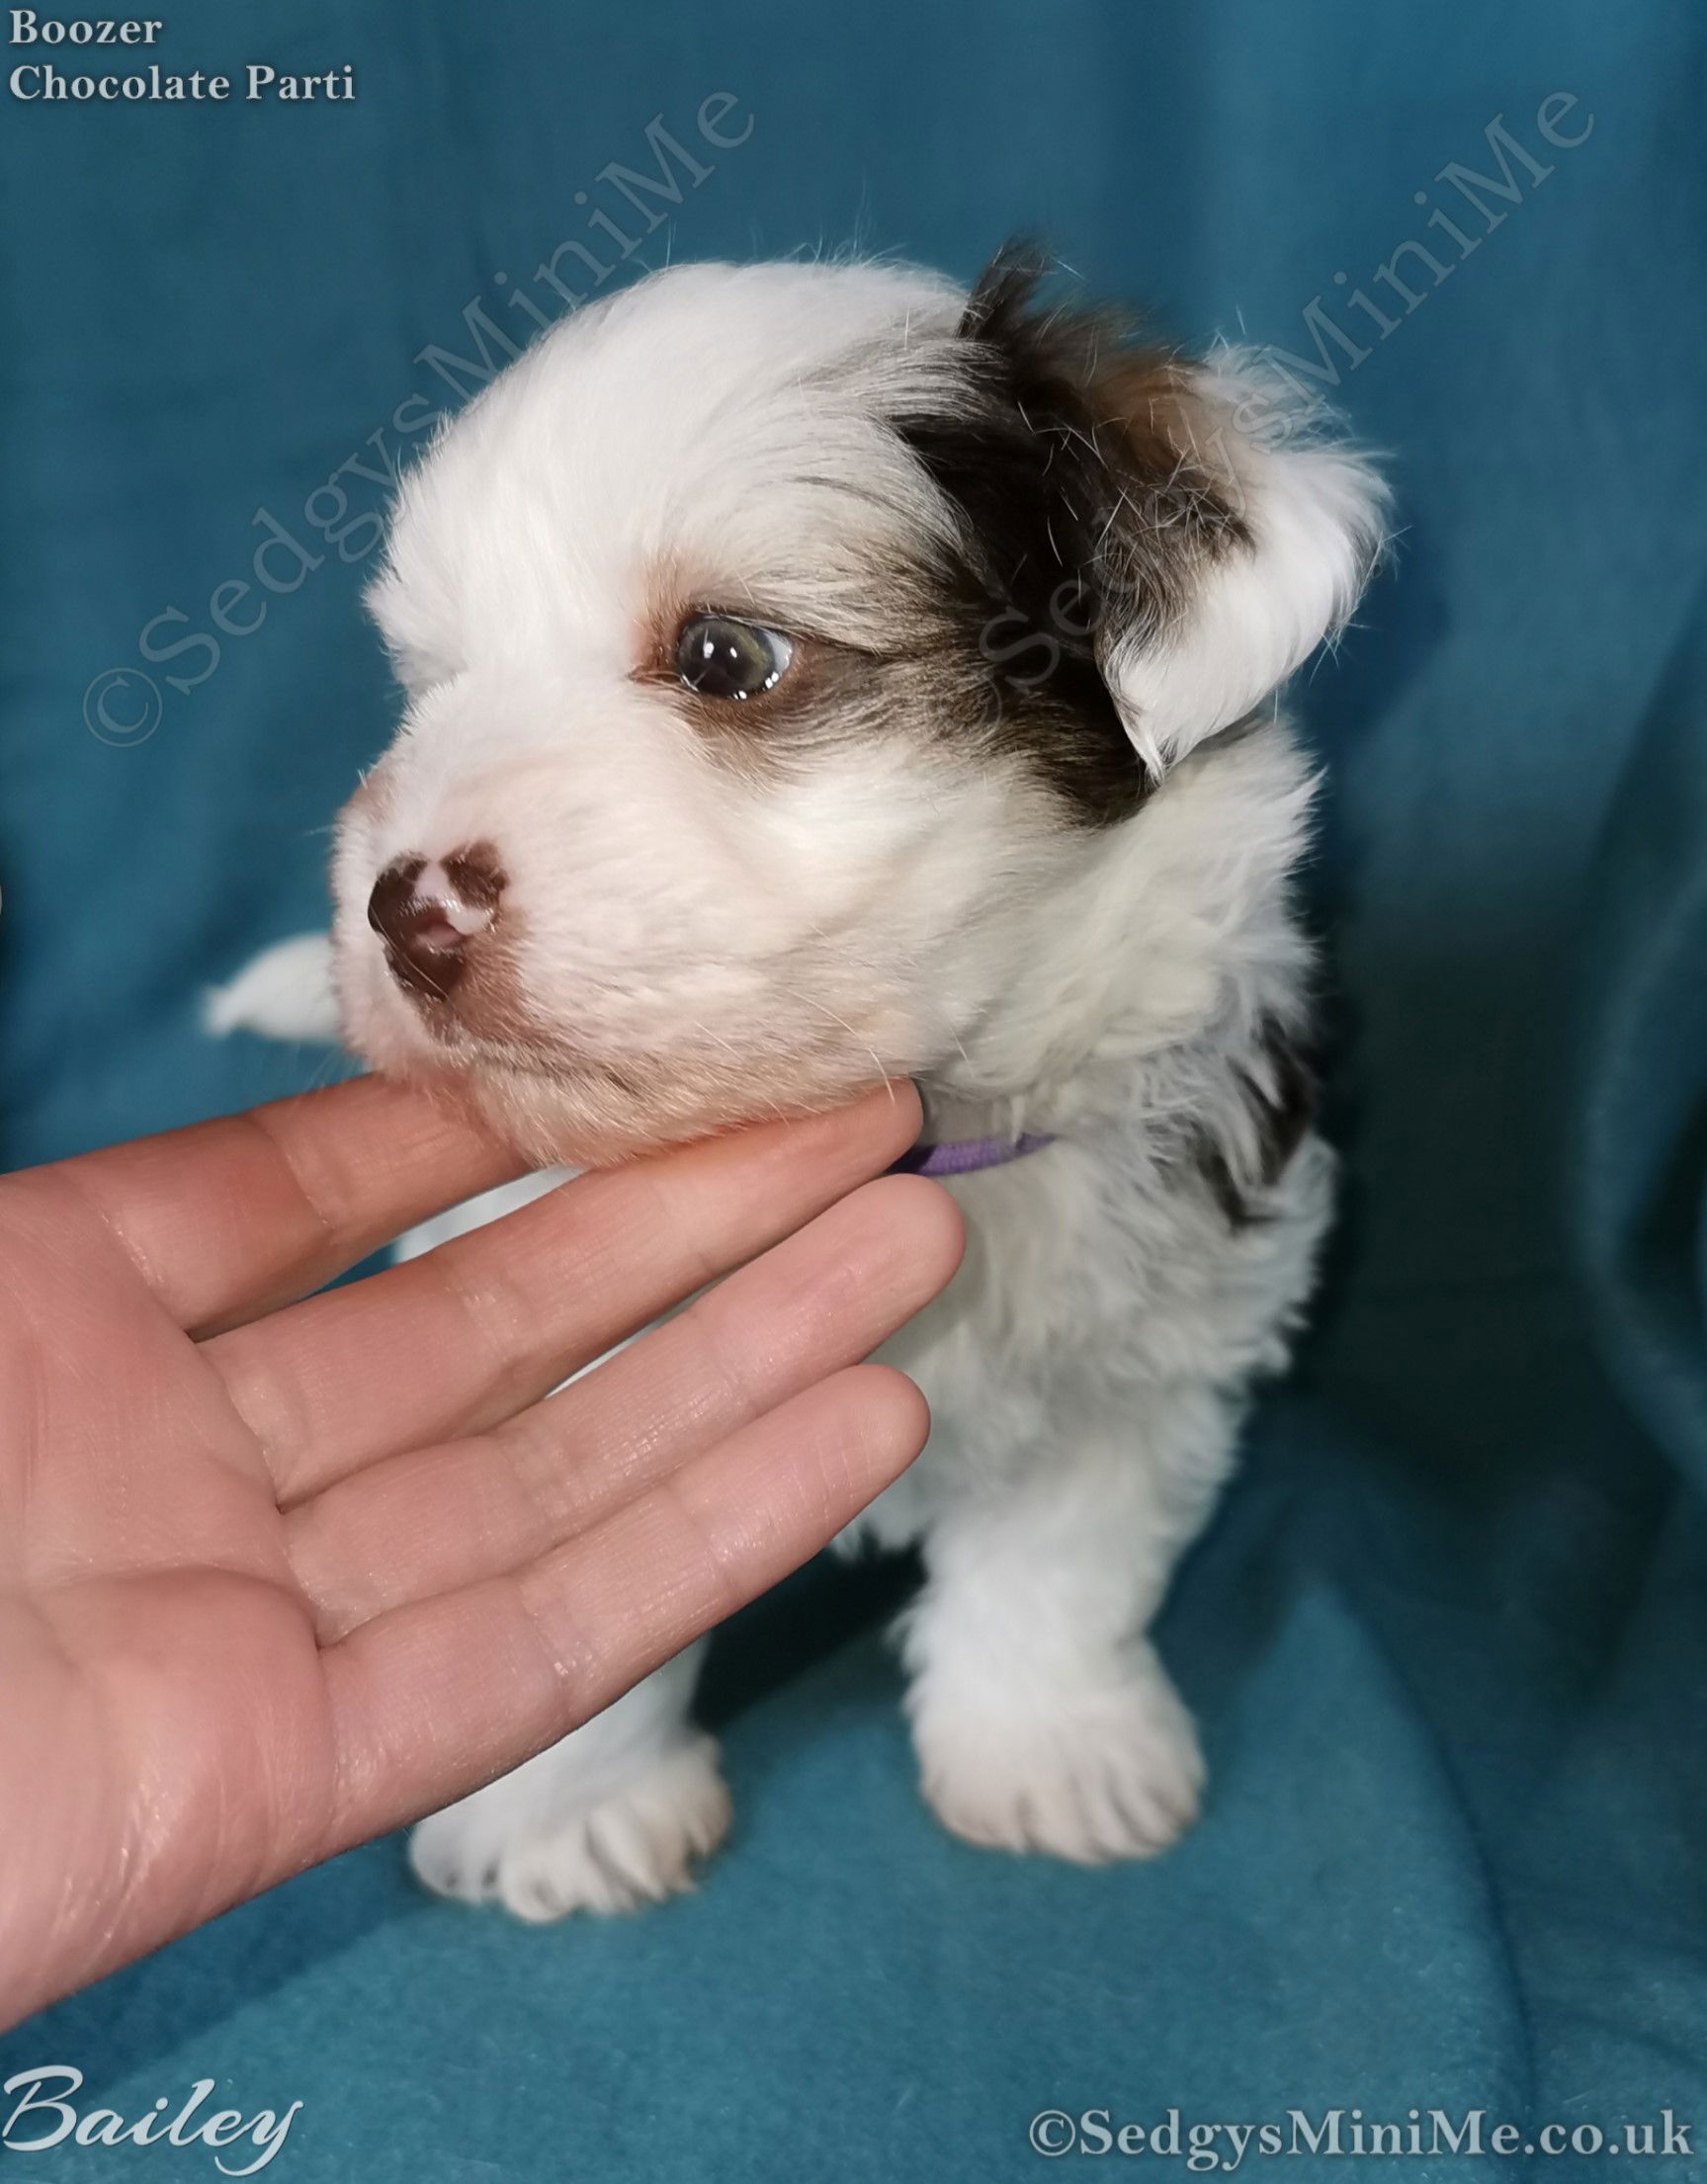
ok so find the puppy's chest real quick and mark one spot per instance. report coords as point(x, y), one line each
point(1082, 1263)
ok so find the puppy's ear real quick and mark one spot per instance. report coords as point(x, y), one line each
point(1215, 533)
point(1309, 526)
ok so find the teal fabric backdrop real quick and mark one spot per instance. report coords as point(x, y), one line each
point(1449, 1637)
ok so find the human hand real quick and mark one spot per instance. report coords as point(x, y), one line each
point(275, 1576)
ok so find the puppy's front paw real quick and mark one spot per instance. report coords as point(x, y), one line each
point(637, 1844)
point(1113, 1773)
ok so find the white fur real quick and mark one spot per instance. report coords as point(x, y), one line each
point(614, 1817)
point(751, 939)
point(285, 992)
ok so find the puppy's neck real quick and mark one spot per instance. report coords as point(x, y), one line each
point(1156, 957)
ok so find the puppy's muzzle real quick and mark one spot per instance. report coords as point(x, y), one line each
point(433, 914)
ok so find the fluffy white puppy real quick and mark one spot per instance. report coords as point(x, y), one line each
point(818, 675)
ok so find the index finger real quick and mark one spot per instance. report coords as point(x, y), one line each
point(227, 1219)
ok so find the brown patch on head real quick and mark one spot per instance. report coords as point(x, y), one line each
point(1084, 505)
point(1087, 514)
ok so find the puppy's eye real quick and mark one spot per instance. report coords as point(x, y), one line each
point(721, 657)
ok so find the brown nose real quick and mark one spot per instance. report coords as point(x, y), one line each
point(428, 912)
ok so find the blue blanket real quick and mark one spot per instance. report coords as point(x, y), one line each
point(1448, 1639)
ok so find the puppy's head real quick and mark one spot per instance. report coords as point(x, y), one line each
point(775, 640)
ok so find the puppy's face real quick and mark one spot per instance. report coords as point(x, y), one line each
point(775, 640)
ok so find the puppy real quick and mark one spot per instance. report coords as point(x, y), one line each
point(815, 675)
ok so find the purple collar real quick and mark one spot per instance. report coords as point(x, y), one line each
point(963, 1155)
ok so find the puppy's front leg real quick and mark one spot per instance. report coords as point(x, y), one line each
point(1042, 1717)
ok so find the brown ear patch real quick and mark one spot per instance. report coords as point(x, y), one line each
point(1119, 411)
point(1087, 511)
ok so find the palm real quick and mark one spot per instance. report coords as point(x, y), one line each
point(265, 1570)
point(160, 1612)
